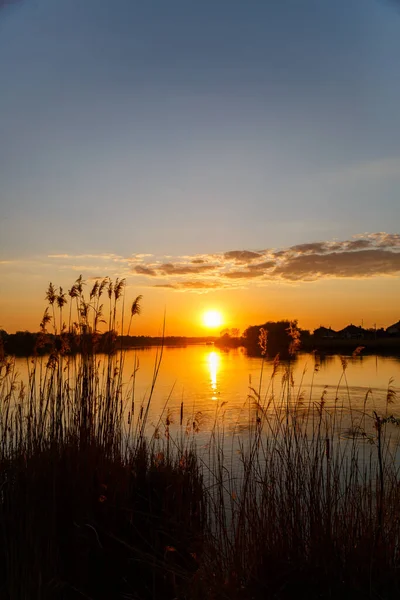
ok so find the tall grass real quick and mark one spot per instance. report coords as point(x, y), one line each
point(312, 508)
point(305, 503)
point(89, 507)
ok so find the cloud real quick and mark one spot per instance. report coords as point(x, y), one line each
point(358, 244)
point(262, 266)
point(309, 248)
point(241, 255)
point(324, 247)
point(171, 269)
point(359, 264)
point(143, 270)
point(243, 274)
point(385, 240)
point(364, 255)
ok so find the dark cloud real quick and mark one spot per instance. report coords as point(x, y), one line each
point(264, 265)
point(312, 248)
point(357, 244)
point(279, 253)
point(166, 285)
point(198, 261)
point(170, 269)
point(335, 246)
point(241, 255)
point(361, 263)
point(324, 247)
point(142, 270)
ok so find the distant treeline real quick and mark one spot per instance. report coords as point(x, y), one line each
point(283, 337)
point(268, 339)
point(26, 343)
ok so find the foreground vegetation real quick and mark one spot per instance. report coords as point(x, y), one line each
point(306, 502)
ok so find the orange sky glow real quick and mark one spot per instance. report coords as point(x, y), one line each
point(331, 283)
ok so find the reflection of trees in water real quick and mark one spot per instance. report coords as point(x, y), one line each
point(324, 359)
point(284, 357)
point(327, 358)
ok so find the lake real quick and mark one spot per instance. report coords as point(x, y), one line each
point(209, 381)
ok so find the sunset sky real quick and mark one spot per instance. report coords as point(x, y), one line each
point(231, 155)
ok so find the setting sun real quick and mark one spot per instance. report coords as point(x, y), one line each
point(212, 318)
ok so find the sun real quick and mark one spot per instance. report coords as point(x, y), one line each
point(212, 319)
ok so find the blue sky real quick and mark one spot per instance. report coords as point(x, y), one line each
point(191, 127)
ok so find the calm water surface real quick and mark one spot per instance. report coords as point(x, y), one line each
point(210, 381)
point(203, 377)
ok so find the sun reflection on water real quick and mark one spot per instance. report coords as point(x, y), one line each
point(213, 360)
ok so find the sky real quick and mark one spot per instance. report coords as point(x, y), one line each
point(236, 155)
